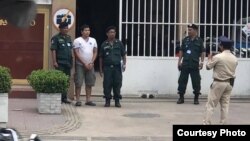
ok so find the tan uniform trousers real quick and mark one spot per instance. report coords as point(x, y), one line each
point(219, 93)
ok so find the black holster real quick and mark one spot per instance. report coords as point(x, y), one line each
point(231, 81)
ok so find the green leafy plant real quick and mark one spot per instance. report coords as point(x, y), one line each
point(5, 80)
point(48, 81)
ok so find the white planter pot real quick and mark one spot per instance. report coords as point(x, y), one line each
point(49, 103)
point(3, 109)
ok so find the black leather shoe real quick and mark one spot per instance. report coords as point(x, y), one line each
point(117, 104)
point(180, 101)
point(107, 103)
point(66, 101)
point(196, 101)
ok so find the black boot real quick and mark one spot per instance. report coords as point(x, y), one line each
point(64, 98)
point(196, 99)
point(181, 99)
point(117, 103)
point(107, 103)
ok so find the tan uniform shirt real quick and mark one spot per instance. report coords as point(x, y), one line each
point(224, 65)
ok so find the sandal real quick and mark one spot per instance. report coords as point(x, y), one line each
point(78, 103)
point(90, 103)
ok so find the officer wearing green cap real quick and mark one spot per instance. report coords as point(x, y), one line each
point(61, 47)
point(112, 52)
point(191, 58)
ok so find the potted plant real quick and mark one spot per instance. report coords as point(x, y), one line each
point(5, 87)
point(48, 84)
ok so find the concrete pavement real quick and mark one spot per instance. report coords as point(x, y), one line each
point(137, 120)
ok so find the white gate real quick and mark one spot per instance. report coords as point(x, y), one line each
point(155, 27)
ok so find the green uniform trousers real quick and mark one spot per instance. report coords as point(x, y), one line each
point(112, 80)
point(65, 69)
point(183, 80)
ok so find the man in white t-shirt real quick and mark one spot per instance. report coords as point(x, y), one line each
point(85, 49)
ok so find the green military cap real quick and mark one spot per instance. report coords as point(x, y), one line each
point(194, 26)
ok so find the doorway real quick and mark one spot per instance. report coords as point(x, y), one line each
point(98, 14)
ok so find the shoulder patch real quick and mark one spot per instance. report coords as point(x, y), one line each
point(105, 47)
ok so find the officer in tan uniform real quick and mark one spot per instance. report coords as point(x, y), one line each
point(224, 66)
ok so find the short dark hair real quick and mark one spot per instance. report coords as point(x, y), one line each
point(109, 28)
point(84, 26)
point(63, 25)
point(227, 46)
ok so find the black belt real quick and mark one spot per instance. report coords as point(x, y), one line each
point(218, 80)
point(112, 66)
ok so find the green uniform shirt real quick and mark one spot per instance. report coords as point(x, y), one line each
point(192, 50)
point(112, 54)
point(63, 46)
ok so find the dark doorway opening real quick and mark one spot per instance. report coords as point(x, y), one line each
point(98, 14)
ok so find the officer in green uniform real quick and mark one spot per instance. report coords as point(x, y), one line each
point(191, 59)
point(112, 61)
point(61, 47)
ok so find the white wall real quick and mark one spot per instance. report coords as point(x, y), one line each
point(160, 76)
